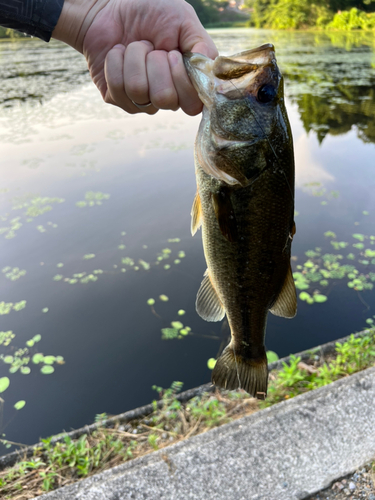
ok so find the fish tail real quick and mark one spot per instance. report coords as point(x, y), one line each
point(235, 371)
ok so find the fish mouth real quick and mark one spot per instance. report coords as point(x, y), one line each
point(232, 76)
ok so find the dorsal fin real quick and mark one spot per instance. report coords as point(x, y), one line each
point(286, 303)
point(208, 304)
point(225, 215)
point(196, 214)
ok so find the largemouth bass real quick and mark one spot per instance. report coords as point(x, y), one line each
point(245, 205)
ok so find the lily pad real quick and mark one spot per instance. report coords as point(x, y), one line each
point(318, 297)
point(272, 356)
point(47, 369)
point(177, 324)
point(211, 363)
point(4, 383)
point(20, 404)
point(49, 360)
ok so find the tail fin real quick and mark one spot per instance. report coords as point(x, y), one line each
point(234, 371)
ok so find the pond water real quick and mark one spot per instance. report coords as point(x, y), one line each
point(95, 221)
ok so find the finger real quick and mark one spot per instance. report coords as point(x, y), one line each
point(188, 99)
point(114, 76)
point(194, 38)
point(135, 74)
point(163, 94)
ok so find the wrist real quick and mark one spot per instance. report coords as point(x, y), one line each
point(75, 19)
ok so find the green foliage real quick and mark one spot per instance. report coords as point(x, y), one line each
point(351, 356)
point(288, 14)
point(211, 411)
point(353, 19)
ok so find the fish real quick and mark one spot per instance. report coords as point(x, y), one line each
point(244, 204)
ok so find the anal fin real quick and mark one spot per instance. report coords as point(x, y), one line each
point(208, 304)
point(196, 214)
point(286, 302)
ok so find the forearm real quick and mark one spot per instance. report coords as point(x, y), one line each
point(75, 19)
point(34, 17)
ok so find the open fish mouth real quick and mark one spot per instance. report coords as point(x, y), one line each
point(232, 76)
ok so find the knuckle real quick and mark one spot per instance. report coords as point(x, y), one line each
point(165, 99)
point(136, 88)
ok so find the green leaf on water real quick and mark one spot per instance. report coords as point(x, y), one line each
point(164, 298)
point(174, 240)
point(304, 296)
point(211, 363)
point(358, 245)
point(272, 356)
point(30, 343)
point(184, 331)
point(358, 236)
point(25, 370)
point(37, 358)
point(88, 256)
point(58, 277)
point(49, 360)
point(365, 212)
point(169, 333)
point(151, 302)
point(47, 369)
point(350, 256)
point(318, 297)
point(60, 264)
point(177, 261)
point(177, 324)
point(4, 383)
point(167, 266)
point(8, 360)
point(37, 338)
point(45, 310)
point(181, 312)
point(19, 405)
point(330, 234)
point(121, 247)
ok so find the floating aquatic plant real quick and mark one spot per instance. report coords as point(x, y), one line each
point(14, 273)
point(93, 198)
point(6, 307)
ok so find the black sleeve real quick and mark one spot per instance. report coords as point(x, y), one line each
point(34, 17)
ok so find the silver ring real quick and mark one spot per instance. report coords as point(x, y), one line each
point(141, 106)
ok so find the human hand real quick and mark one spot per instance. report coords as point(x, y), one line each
point(133, 49)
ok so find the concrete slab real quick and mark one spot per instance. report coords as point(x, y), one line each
point(285, 452)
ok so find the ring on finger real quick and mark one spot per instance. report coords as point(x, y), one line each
point(141, 106)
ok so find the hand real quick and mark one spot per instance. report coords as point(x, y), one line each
point(133, 49)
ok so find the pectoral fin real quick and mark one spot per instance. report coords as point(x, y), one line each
point(196, 214)
point(225, 214)
point(208, 304)
point(286, 302)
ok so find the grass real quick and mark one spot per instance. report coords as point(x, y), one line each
point(56, 464)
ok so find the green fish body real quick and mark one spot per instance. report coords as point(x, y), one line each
point(245, 206)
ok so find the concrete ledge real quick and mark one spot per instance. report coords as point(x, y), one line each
point(285, 452)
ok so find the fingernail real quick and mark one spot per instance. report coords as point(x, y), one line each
point(149, 44)
point(173, 58)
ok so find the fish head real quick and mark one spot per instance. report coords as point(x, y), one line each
point(244, 115)
point(242, 93)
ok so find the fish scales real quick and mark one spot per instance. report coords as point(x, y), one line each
point(245, 205)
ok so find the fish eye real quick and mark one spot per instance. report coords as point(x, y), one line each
point(266, 94)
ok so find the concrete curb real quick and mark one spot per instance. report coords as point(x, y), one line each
point(285, 452)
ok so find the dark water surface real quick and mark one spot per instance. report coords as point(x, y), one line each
point(60, 145)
